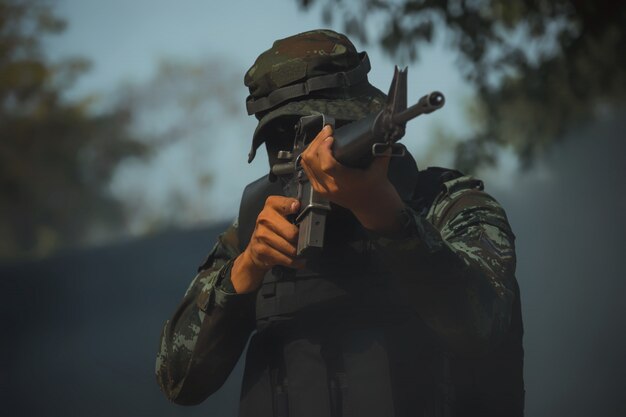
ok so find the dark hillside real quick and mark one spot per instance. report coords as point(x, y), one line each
point(80, 330)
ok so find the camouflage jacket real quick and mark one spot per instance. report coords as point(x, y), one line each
point(454, 267)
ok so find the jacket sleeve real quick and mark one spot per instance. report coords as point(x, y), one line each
point(203, 340)
point(455, 265)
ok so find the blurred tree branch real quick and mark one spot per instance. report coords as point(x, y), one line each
point(56, 157)
point(539, 66)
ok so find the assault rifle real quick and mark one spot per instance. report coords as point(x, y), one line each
point(355, 145)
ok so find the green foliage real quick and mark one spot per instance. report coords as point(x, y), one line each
point(55, 157)
point(539, 67)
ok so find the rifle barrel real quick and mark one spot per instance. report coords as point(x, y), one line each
point(427, 104)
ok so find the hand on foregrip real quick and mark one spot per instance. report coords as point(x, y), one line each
point(368, 193)
point(273, 242)
point(352, 188)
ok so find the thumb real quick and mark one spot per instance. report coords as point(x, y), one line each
point(328, 143)
point(283, 205)
point(294, 207)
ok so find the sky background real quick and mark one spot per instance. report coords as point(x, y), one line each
point(125, 42)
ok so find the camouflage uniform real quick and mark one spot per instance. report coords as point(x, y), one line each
point(452, 266)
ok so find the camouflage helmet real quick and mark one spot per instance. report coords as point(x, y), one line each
point(311, 72)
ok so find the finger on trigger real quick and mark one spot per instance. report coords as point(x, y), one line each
point(283, 205)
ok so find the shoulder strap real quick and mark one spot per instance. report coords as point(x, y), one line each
point(430, 183)
point(252, 202)
point(403, 174)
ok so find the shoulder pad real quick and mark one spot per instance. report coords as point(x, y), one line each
point(457, 185)
point(430, 185)
point(460, 194)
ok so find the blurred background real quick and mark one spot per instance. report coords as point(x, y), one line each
point(123, 147)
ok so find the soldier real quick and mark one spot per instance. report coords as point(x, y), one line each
point(413, 308)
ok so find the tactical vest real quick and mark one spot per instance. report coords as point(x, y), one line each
point(331, 342)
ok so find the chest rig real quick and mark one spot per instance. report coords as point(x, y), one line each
point(343, 275)
point(329, 341)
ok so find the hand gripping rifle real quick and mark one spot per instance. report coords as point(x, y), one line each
point(355, 145)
